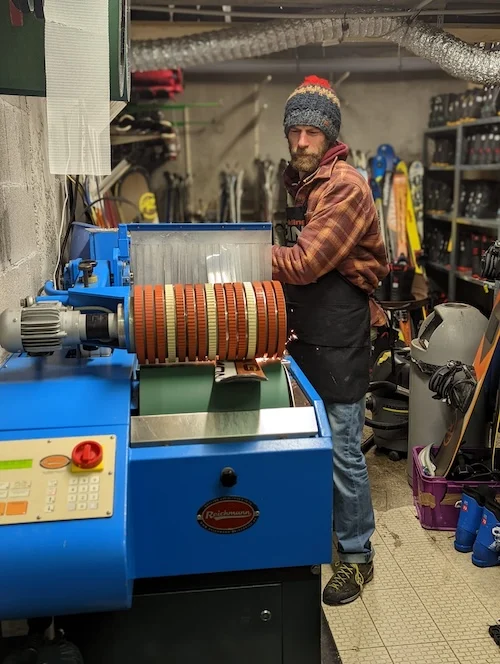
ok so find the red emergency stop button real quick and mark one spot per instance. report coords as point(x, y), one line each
point(87, 455)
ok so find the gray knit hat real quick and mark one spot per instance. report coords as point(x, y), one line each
point(314, 104)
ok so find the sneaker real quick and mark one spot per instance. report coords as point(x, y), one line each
point(347, 583)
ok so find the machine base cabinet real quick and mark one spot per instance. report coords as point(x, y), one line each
point(270, 617)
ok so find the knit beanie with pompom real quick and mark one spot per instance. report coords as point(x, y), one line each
point(314, 104)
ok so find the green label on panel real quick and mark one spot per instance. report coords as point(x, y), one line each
point(16, 464)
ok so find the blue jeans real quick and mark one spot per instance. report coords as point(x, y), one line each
point(353, 518)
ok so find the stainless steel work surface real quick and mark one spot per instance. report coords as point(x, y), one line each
point(223, 427)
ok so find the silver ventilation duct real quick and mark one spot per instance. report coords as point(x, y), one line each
point(454, 56)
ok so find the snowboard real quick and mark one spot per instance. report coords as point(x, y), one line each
point(361, 163)
point(378, 168)
point(495, 436)
point(454, 437)
point(377, 197)
point(390, 216)
point(400, 191)
point(387, 152)
point(388, 156)
point(416, 175)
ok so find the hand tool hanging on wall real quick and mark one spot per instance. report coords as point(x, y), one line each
point(230, 196)
point(167, 209)
point(269, 186)
point(240, 176)
point(175, 199)
point(266, 188)
point(223, 197)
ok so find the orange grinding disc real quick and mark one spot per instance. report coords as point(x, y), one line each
point(231, 322)
point(260, 298)
point(139, 325)
point(180, 316)
point(161, 324)
point(220, 299)
point(282, 324)
point(272, 318)
point(192, 339)
point(201, 316)
point(241, 309)
point(149, 311)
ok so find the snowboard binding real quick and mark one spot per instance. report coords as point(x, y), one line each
point(490, 262)
point(454, 384)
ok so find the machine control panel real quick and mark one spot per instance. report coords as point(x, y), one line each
point(58, 479)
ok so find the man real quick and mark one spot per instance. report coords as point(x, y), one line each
point(329, 272)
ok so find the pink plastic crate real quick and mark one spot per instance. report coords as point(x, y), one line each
point(435, 497)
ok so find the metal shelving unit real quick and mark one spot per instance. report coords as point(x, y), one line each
point(458, 169)
point(463, 276)
point(465, 221)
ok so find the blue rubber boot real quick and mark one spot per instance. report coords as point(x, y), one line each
point(486, 550)
point(471, 512)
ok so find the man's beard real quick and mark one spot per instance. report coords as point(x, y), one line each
point(307, 162)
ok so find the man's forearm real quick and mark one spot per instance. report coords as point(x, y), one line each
point(289, 269)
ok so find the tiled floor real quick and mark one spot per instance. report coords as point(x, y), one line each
point(427, 603)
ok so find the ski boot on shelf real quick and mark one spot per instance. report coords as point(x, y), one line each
point(471, 513)
point(486, 550)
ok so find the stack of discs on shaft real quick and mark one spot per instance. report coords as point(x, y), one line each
point(231, 321)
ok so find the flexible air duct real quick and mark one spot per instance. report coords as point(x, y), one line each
point(454, 56)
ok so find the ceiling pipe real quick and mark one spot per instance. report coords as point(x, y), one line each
point(384, 65)
point(457, 58)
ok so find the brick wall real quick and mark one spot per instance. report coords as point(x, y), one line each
point(30, 201)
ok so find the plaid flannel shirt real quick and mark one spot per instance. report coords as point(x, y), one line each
point(341, 232)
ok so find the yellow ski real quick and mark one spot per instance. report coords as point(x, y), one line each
point(415, 246)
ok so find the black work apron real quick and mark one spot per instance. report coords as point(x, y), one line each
point(330, 326)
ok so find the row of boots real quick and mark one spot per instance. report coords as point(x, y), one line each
point(478, 527)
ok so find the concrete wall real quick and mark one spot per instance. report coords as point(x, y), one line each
point(29, 201)
point(373, 112)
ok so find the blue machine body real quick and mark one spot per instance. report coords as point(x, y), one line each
point(67, 566)
point(86, 565)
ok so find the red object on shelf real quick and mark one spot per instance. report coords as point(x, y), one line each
point(87, 454)
point(158, 84)
point(164, 77)
point(16, 16)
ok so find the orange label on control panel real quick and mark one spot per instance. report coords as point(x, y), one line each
point(55, 461)
point(2, 509)
point(17, 508)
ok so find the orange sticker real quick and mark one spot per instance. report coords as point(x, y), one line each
point(17, 508)
point(55, 462)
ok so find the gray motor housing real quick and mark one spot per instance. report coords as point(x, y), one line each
point(452, 331)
